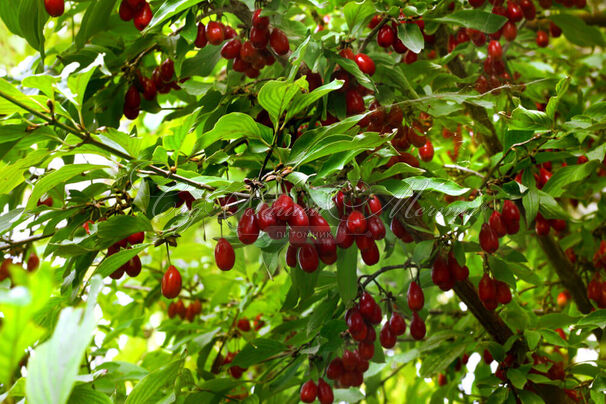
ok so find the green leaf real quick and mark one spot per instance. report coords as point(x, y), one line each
point(32, 17)
point(531, 204)
point(233, 126)
point(11, 175)
point(54, 366)
point(524, 119)
point(85, 394)
point(410, 34)
point(549, 207)
point(258, 350)
point(577, 31)
point(529, 398)
point(275, 97)
point(422, 251)
point(477, 19)
point(358, 14)
point(597, 318)
point(170, 8)
point(352, 68)
point(203, 63)
point(435, 184)
point(119, 227)
point(516, 136)
point(347, 278)
point(302, 101)
point(438, 361)
point(565, 176)
point(115, 261)
point(532, 337)
point(55, 178)
point(153, 382)
point(552, 337)
point(99, 10)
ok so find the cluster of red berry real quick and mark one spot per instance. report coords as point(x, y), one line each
point(189, 313)
point(323, 391)
point(387, 36)
point(499, 224)
point(161, 81)
point(493, 291)
point(133, 266)
point(415, 135)
point(32, 263)
point(137, 10)
point(446, 271)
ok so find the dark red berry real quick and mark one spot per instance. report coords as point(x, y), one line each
point(387, 338)
point(54, 8)
point(258, 21)
point(489, 240)
point(503, 294)
point(397, 324)
point(417, 327)
point(214, 33)
point(386, 36)
point(487, 288)
point(495, 50)
point(283, 207)
point(426, 151)
point(325, 394)
point(354, 102)
point(496, 223)
point(335, 369)
point(171, 283)
point(248, 229)
point(231, 49)
point(259, 37)
point(143, 17)
point(365, 63)
point(126, 12)
point(224, 255)
point(542, 39)
point(308, 258)
point(201, 40)
point(279, 42)
point(356, 222)
point(510, 215)
point(309, 391)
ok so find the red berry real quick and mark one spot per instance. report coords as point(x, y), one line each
point(142, 17)
point(376, 228)
point(529, 10)
point(496, 223)
point(279, 42)
point(214, 33)
point(495, 50)
point(489, 240)
point(126, 12)
point(558, 225)
point(231, 49)
point(283, 207)
point(487, 288)
point(224, 255)
point(309, 391)
point(397, 324)
point(356, 222)
point(386, 36)
point(542, 39)
point(248, 229)
point(201, 40)
point(132, 99)
point(503, 292)
point(354, 102)
point(244, 325)
point(136, 238)
point(258, 21)
point(554, 30)
point(149, 88)
point(308, 258)
point(335, 369)
point(510, 31)
point(415, 296)
point(344, 237)
point(54, 8)
point(399, 46)
point(171, 283)
point(133, 266)
point(376, 19)
point(387, 338)
point(514, 12)
point(259, 37)
point(371, 255)
point(541, 225)
point(440, 273)
point(410, 57)
point(476, 3)
point(365, 63)
point(33, 262)
point(510, 216)
point(417, 327)
point(374, 205)
point(426, 151)
point(325, 394)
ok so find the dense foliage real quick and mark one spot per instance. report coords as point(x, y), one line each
point(284, 201)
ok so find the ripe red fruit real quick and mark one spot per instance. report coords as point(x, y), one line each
point(335, 369)
point(142, 17)
point(201, 40)
point(325, 395)
point(496, 223)
point(374, 205)
point(365, 63)
point(308, 258)
point(510, 31)
point(33, 262)
point(503, 292)
point(487, 288)
point(514, 12)
point(563, 298)
point(167, 70)
point(309, 391)
point(283, 207)
point(417, 327)
point(387, 338)
point(399, 46)
point(133, 266)
point(371, 255)
point(279, 42)
point(376, 19)
point(54, 8)
point(149, 88)
point(376, 228)
point(488, 239)
point(511, 217)
point(291, 256)
point(126, 12)
point(344, 237)
point(224, 255)
point(440, 273)
point(355, 321)
point(386, 36)
point(558, 225)
point(259, 37)
point(542, 39)
point(400, 231)
point(397, 325)
point(529, 10)
point(214, 33)
point(244, 325)
point(426, 151)
point(171, 283)
point(495, 50)
point(231, 49)
point(136, 238)
point(354, 102)
point(298, 218)
point(258, 21)
point(541, 225)
point(476, 3)
point(132, 99)
point(554, 30)
point(415, 296)
point(248, 229)
point(350, 360)
point(356, 222)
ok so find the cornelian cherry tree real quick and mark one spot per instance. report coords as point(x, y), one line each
point(238, 201)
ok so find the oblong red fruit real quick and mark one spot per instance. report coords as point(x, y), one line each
point(365, 63)
point(356, 222)
point(335, 369)
point(133, 266)
point(259, 37)
point(309, 392)
point(426, 151)
point(231, 49)
point(171, 283)
point(488, 239)
point(440, 274)
point(541, 225)
point(54, 8)
point(136, 238)
point(417, 327)
point(487, 289)
point(126, 12)
point(248, 229)
point(258, 21)
point(279, 42)
point(201, 40)
point(325, 394)
point(503, 292)
point(415, 296)
point(354, 102)
point(283, 207)
point(511, 217)
point(214, 33)
point(132, 99)
point(143, 17)
point(397, 325)
point(371, 255)
point(344, 237)
point(376, 228)
point(387, 338)
point(496, 223)
point(224, 255)
point(385, 36)
point(308, 258)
